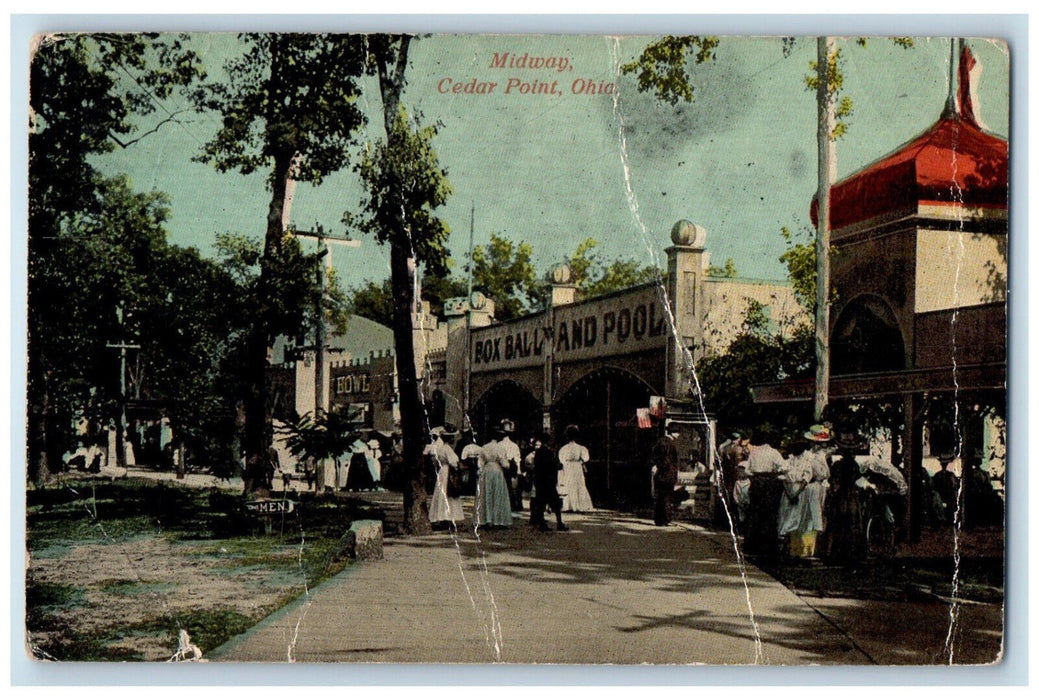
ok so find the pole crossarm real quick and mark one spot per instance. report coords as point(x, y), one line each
point(323, 237)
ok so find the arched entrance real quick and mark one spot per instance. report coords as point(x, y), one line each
point(506, 399)
point(602, 404)
point(866, 338)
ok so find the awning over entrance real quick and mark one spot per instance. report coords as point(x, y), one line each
point(880, 384)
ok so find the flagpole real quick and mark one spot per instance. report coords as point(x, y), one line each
point(469, 314)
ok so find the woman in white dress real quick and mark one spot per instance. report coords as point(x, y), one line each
point(574, 457)
point(441, 508)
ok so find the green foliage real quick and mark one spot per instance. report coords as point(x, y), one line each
point(289, 105)
point(373, 300)
point(726, 271)
point(291, 295)
point(89, 238)
point(404, 185)
point(799, 259)
point(593, 277)
point(755, 356)
point(662, 65)
point(503, 271)
point(287, 94)
point(834, 74)
point(327, 437)
point(85, 92)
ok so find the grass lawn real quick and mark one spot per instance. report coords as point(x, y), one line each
point(117, 569)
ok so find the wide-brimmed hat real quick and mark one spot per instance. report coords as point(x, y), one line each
point(849, 441)
point(507, 426)
point(437, 431)
point(819, 433)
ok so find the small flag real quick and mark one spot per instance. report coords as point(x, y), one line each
point(642, 415)
point(657, 406)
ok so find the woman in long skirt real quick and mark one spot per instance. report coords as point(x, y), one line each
point(443, 509)
point(492, 498)
point(574, 458)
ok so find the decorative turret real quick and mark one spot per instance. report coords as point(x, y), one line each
point(564, 291)
point(688, 235)
point(685, 276)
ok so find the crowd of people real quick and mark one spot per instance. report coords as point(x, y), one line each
point(815, 497)
point(501, 472)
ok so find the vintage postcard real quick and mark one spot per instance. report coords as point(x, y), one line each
point(521, 349)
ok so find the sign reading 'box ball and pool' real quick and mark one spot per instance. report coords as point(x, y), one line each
point(599, 328)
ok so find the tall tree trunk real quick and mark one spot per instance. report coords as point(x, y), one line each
point(827, 169)
point(38, 472)
point(259, 404)
point(391, 65)
point(416, 509)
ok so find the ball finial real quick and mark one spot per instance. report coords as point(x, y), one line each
point(562, 274)
point(686, 233)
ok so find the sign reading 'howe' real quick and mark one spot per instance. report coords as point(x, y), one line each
point(598, 328)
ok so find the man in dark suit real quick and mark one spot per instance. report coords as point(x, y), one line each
point(546, 476)
point(664, 458)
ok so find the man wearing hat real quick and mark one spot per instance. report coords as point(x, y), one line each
point(664, 459)
point(546, 475)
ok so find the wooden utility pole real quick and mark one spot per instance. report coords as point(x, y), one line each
point(827, 170)
point(320, 381)
point(324, 259)
point(120, 435)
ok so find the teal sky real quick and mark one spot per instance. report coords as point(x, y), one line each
point(550, 168)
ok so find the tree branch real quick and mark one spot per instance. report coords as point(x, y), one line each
point(127, 144)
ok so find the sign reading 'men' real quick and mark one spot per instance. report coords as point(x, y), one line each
point(598, 328)
point(267, 507)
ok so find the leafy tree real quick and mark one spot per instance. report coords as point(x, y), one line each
point(404, 185)
point(726, 271)
point(436, 289)
point(86, 92)
point(373, 300)
point(594, 278)
point(503, 271)
point(288, 107)
point(755, 356)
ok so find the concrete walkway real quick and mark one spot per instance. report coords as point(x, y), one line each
point(615, 589)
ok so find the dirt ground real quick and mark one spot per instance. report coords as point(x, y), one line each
point(110, 580)
point(133, 585)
